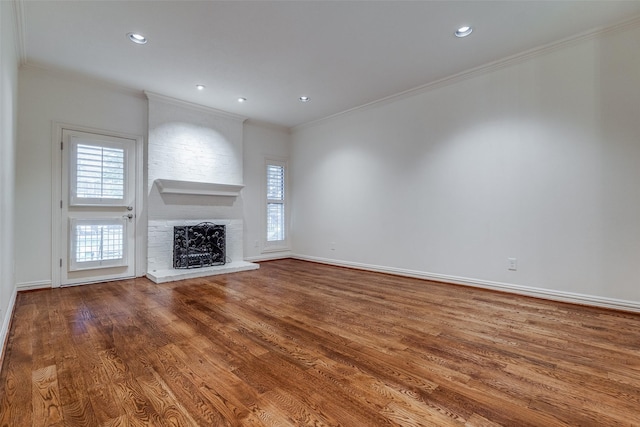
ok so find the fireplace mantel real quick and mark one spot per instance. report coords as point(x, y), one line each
point(171, 186)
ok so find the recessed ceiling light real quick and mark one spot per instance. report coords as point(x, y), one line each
point(304, 99)
point(241, 100)
point(200, 87)
point(137, 38)
point(463, 31)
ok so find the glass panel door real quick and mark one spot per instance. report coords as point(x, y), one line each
point(98, 218)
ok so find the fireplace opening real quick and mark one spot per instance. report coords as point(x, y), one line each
point(201, 245)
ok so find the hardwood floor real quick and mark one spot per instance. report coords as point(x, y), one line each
point(303, 344)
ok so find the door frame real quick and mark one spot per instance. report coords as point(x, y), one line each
point(56, 198)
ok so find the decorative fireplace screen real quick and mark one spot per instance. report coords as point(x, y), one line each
point(200, 245)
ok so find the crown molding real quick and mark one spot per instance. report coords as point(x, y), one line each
point(81, 77)
point(268, 125)
point(198, 107)
point(20, 31)
point(482, 69)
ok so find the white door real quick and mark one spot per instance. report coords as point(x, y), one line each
point(97, 208)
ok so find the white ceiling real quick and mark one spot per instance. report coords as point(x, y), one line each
point(341, 54)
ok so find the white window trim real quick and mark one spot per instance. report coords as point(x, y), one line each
point(279, 245)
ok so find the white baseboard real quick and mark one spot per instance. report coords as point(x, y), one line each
point(29, 286)
point(6, 323)
point(269, 256)
point(549, 294)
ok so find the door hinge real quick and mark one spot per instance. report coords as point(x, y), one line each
point(60, 262)
point(60, 204)
point(61, 145)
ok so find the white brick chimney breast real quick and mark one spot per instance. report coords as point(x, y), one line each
point(196, 147)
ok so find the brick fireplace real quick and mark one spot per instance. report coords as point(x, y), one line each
point(194, 176)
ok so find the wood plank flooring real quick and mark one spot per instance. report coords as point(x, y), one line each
point(304, 344)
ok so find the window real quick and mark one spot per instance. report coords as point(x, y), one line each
point(97, 173)
point(96, 243)
point(276, 203)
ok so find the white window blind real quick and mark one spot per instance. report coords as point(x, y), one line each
point(97, 243)
point(275, 182)
point(99, 172)
point(275, 203)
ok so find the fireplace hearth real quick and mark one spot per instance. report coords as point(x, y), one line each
point(201, 245)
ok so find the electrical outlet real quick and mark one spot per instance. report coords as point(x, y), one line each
point(512, 264)
point(332, 246)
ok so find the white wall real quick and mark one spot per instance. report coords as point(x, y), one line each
point(8, 125)
point(537, 159)
point(261, 141)
point(45, 97)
